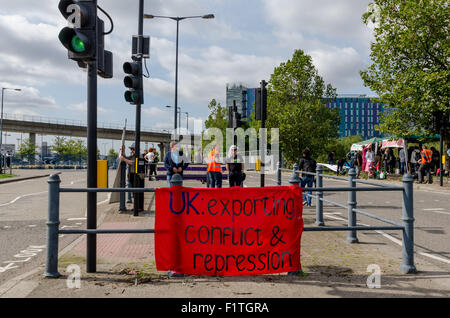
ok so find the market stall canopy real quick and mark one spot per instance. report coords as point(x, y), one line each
point(358, 146)
point(393, 143)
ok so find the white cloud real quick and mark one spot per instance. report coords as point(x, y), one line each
point(27, 101)
point(82, 109)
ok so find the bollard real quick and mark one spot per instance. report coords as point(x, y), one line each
point(295, 179)
point(176, 180)
point(351, 238)
point(123, 176)
point(51, 267)
point(279, 173)
point(319, 196)
point(407, 266)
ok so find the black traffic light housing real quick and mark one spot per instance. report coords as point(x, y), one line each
point(234, 117)
point(261, 108)
point(104, 57)
point(133, 81)
point(79, 40)
point(85, 37)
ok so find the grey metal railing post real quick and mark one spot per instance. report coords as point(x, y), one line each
point(407, 266)
point(123, 176)
point(319, 196)
point(176, 180)
point(295, 179)
point(51, 267)
point(278, 173)
point(351, 238)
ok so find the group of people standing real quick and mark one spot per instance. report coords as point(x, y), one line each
point(176, 162)
point(234, 164)
point(416, 160)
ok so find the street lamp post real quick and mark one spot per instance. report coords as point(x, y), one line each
point(179, 115)
point(187, 120)
point(1, 125)
point(177, 19)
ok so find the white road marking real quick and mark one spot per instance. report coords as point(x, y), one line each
point(32, 225)
point(434, 209)
point(22, 196)
point(435, 257)
point(441, 212)
point(68, 226)
point(396, 241)
point(23, 257)
point(76, 219)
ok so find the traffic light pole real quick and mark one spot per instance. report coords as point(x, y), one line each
point(263, 126)
point(91, 241)
point(138, 106)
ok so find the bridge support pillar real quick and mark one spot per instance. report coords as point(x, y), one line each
point(33, 142)
point(162, 151)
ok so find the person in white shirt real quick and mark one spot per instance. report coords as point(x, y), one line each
point(370, 158)
point(150, 158)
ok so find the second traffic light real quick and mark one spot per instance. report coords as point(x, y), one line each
point(261, 106)
point(133, 81)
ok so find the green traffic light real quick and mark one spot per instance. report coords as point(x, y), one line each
point(77, 44)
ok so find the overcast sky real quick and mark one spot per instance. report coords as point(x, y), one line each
point(243, 44)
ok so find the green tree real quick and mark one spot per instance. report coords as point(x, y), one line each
point(217, 118)
point(410, 58)
point(112, 155)
point(296, 106)
point(27, 149)
point(59, 145)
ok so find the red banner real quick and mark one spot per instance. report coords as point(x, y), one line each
point(228, 231)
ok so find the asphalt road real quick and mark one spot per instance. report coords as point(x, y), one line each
point(23, 217)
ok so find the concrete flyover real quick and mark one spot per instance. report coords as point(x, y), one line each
point(75, 128)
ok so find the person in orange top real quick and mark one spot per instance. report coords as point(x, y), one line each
point(214, 168)
point(425, 164)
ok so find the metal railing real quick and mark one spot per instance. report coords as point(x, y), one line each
point(407, 227)
point(53, 230)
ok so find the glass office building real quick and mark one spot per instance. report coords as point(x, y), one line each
point(359, 115)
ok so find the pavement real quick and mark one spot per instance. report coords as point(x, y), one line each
point(26, 174)
point(331, 267)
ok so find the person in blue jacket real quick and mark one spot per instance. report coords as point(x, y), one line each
point(174, 161)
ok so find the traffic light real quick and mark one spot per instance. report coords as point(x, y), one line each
point(260, 110)
point(79, 39)
point(234, 117)
point(104, 57)
point(133, 81)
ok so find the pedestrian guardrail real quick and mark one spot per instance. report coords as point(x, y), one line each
point(407, 266)
point(407, 227)
point(53, 230)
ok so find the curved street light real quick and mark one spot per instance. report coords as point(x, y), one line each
point(177, 19)
point(1, 124)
